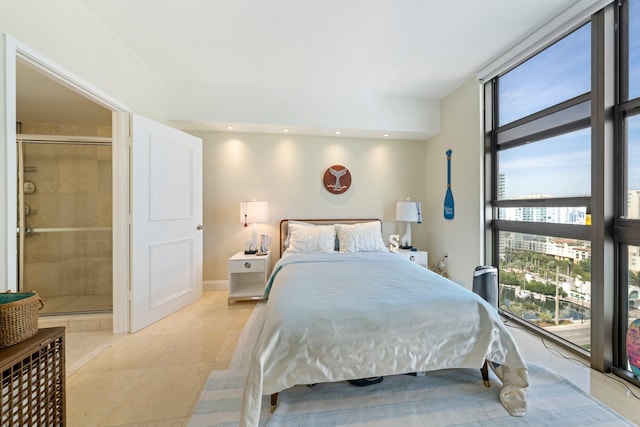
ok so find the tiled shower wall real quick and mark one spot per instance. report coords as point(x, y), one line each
point(72, 189)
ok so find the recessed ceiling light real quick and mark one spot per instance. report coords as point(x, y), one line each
point(385, 135)
point(285, 130)
point(229, 127)
point(338, 132)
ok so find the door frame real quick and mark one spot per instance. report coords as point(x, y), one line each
point(121, 113)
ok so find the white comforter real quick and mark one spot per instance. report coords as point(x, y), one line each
point(333, 317)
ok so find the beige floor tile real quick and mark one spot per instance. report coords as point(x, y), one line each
point(191, 347)
point(603, 387)
point(154, 377)
point(615, 394)
point(162, 393)
point(81, 347)
point(177, 422)
point(128, 352)
point(91, 397)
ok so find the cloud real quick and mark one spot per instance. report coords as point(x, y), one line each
point(559, 166)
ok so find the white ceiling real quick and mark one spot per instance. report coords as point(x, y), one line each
point(41, 100)
point(391, 49)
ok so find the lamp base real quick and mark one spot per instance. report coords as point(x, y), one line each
point(406, 247)
point(250, 252)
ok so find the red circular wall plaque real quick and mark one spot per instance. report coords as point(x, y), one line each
point(337, 179)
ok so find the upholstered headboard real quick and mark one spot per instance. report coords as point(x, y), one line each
point(284, 225)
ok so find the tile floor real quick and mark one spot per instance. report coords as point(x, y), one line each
point(154, 377)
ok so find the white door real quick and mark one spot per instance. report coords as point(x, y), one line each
point(166, 205)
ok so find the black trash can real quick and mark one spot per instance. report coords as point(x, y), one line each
point(485, 284)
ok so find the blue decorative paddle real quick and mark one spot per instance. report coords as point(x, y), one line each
point(448, 198)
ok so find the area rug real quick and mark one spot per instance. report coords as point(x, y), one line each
point(442, 398)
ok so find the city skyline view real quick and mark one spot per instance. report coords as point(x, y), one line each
point(543, 249)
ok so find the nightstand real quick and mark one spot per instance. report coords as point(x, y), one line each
point(419, 257)
point(248, 275)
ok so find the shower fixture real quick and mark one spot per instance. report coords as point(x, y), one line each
point(29, 187)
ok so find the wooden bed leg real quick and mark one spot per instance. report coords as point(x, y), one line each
point(485, 374)
point(274, 402)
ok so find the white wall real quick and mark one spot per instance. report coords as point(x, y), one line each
point(67, 34)
point(287, 171)
point(70, 35)
point(461, 237)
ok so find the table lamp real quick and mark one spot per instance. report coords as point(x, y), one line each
point(409, 212)
point(252, 212)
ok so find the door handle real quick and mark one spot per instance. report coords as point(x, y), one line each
point(200, 227)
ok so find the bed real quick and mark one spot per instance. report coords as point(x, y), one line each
point(341, 306)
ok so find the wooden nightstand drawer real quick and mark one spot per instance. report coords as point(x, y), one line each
point(246, 266)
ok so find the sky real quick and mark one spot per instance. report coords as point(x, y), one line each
point(556, 74)
point(560, 166)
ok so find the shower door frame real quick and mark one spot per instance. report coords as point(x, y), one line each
point(24, 231)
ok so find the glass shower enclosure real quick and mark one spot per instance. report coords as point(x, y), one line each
point(64, 222)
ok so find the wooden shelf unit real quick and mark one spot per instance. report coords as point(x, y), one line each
point(33, 381)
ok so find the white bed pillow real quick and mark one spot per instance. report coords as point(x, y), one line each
point(305, 239)
point(289, 224)
point(361, 237)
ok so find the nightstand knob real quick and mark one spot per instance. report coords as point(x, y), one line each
point(412, 258)
point(247, 264)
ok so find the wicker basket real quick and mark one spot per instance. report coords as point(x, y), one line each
point(18, 317)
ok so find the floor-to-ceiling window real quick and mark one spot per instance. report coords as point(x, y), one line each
point(563, 131)
point(627, 225)
point(542, 191)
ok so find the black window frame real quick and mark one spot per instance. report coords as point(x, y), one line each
point(611, 233)
point(600, 120)
point(626, 232)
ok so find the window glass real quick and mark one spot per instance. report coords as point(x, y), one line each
point(558, 73)
point(633, 167)
point(555, 167)
point(551, 215)
point(633, 301)
point(634, 49)
point(534, 269)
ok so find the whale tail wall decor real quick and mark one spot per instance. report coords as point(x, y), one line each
point(448, 198)
point(337, 174)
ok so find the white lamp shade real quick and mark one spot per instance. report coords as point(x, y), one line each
point(409, 211)
point(254, 211)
